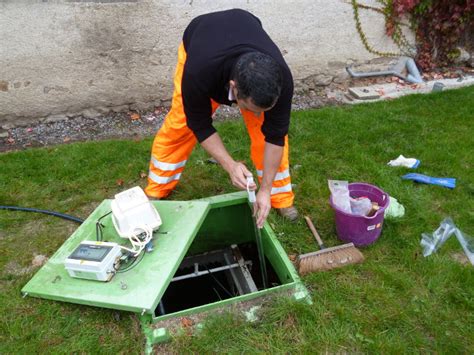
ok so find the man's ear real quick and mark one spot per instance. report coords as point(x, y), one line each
point(233, 87)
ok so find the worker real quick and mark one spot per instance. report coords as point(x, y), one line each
point(227, 58)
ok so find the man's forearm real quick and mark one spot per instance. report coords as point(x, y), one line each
point(238, 172)
point(271, 162)
point(214, 146)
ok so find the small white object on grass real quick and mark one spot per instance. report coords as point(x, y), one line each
point(406, 162)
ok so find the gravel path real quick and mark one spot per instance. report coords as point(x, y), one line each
point(129, 125)
point(116, 125)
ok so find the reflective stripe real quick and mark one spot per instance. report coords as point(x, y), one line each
point(279, 176)
point(279, 190)
point(167, 166)
point(163, 179)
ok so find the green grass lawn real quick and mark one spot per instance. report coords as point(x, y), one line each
point(396, 301)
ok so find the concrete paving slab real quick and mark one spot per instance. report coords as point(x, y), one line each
point(364, 93)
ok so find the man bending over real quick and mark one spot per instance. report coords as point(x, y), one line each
point(226, 57)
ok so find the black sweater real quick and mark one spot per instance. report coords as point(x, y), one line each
point(213, 43)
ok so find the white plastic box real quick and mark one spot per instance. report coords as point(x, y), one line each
point(132, 209)
point(94, 260)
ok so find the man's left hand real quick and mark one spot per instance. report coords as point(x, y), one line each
point(262, 207)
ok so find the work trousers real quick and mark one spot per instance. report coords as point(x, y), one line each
point(174, 143)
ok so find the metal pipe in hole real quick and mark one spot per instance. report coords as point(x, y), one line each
point(261, 256)
point(206, 272)
point(162, 308)
point(258, 234)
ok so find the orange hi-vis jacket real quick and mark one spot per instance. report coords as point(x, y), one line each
point(211, 45)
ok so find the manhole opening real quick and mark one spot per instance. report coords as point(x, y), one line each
point(215, 276)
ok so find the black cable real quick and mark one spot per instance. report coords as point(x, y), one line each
point(51, 213)
point(99, 234)
point(133, 264)
point(99, 226)
point(217, 281)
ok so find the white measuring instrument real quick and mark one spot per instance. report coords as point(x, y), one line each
point(135, 219)
point(94, 260)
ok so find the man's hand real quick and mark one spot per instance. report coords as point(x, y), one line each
point(262, 207)
point(238, 172)
point(238, 175)
point(271, 161)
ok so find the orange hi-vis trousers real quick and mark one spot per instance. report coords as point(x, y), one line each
point(174, 143)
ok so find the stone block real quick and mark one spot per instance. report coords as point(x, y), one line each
point(55, 118)
point(342, 77)
point(120, 108)
point(322, 80)
point(141, 106)
point(3, 85)
point(364, 93)
point(336, 64)
point(463, 57)
point(8, 125)
point(90, 113)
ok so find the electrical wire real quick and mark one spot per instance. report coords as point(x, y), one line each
point(137, 243)
point(217, 293)
point(217, 281)
point(137, 240)
point(51, 213)
point(134, 263)
point(136, 237)
point(99, 226)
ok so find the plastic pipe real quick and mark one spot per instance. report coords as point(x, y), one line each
point(51, 213)
point(413, 76)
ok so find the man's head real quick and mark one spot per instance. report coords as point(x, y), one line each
point(256, 82)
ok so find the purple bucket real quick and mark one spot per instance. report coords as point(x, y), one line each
point(361, 230)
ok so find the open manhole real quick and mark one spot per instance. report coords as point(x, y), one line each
point(215, 276)
point(205, 259)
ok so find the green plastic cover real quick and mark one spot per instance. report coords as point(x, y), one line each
point(137, 290)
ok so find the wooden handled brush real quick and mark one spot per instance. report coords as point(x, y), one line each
point(327, 258)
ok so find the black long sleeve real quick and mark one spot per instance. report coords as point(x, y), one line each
point(213, 43)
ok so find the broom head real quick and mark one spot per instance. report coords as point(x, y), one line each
point(329, 258)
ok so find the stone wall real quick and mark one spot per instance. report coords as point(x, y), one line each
point(63, 58)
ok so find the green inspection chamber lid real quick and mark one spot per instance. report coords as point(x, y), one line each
point(139, 289)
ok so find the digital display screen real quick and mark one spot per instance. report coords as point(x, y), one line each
point(90, 252)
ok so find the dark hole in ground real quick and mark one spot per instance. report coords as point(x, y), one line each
point(249, 252)
point(211, 287)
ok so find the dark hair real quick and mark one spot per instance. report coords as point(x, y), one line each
point(258, 77)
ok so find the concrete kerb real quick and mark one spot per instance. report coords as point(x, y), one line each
point(395, 90)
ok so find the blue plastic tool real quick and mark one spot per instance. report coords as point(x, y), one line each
point(425, 179)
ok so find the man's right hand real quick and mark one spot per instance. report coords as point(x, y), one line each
point(238, 175)
point(238, 172)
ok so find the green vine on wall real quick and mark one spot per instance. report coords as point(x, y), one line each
point(439, 26)
point(395, 32)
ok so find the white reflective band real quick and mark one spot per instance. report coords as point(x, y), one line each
point(163, 179)
point(167, 166)
point(279, 190)
point(279, 176)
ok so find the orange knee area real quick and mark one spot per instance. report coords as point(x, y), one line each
point(282, 200)
point(157, 191)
